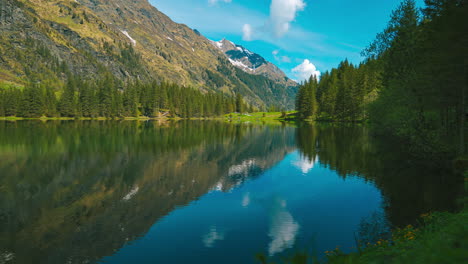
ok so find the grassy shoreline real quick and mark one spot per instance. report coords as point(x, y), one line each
point(442, 238)
point(265, 116)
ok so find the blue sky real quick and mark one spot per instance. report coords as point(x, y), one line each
point(300, 36)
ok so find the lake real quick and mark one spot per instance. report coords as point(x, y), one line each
point(203, 191)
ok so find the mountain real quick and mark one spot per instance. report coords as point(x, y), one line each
point(128, 39)
point(251, 62)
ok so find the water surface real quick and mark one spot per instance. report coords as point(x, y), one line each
point(201, 192)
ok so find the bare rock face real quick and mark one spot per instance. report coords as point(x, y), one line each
point(131, 40)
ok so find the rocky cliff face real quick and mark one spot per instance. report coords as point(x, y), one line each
point(129, 39)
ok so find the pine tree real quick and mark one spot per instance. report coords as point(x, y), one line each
point(67, 104)
point(50, 101)
point(86, 100)
point(2, 103)
point(32, 104)
point(105, 94)
point(239, 103)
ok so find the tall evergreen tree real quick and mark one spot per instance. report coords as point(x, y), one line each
point(67, 103)
point(239, 103)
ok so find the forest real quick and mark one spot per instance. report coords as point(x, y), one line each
point(111, 98)
point(412, 85)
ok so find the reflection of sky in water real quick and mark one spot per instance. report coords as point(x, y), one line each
point(246, 200)
point(283, 228)
point(213, 235)
point(297, 204)
point(304, 164)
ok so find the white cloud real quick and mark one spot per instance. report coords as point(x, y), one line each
point(247, 32)
point(282, 13)
point(283, 58)
point(304, 70)
point(213, 2)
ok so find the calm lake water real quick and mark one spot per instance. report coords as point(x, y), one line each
point(202, 192)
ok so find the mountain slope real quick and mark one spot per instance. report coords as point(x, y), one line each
point(251, 62)
point(129, 39)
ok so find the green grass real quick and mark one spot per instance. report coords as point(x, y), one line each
point(9, 85)
point(260, 116)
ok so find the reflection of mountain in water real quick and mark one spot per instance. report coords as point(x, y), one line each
point(78, 191)
point(410, 187)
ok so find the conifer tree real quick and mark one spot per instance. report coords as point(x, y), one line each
point(67, 101)
point(239, 103)
point(2, 103)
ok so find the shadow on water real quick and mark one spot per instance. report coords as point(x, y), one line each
point(410, 186)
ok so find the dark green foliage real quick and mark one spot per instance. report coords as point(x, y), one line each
point(215, 78)
point(425, 64)
point(413, 83)
point(306, 102)
point(341, 94)
point(50, 102)
point(239, 103)
point(2, 103)
point(11, 101)
point(32, 103)
point(111, 98)
point(129, 57)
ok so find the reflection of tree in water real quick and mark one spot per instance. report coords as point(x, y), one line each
point(76, 191)
point(373, 228)
point(410, 187)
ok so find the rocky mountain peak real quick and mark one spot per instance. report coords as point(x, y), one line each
point(251, 62)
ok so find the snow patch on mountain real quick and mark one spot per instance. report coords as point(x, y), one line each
point(218, 44)
point(240, 64)
point(129, 37)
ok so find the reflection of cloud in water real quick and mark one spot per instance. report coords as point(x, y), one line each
point(213, 235)
point(283, 229)
point(246, 200)
point(305, 165)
